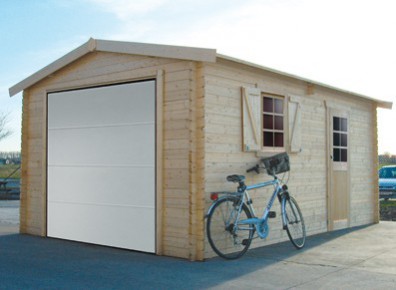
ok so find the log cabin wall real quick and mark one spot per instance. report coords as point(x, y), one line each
point(308, 181)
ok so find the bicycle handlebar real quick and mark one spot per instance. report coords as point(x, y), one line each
point(254, 168)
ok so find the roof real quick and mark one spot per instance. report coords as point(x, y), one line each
point(380, 103)
point(156, 50)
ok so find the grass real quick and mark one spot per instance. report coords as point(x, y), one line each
point(388, 203)
point(6, 170)
point(388, 210)
point(384, 164)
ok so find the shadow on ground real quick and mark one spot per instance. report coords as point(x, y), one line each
point(42, 263)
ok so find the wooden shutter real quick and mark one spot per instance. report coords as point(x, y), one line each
point(251, 119)
point(295, 130)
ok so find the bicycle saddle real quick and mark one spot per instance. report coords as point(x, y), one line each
point(235, 178)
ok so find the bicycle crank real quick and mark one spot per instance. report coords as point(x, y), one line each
point(262, 229)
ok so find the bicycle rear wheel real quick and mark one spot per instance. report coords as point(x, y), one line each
point(293, 221)
point(228, 240)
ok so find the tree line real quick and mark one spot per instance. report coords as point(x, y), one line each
point(9, 158)
point(10, 155)
point(387, 158)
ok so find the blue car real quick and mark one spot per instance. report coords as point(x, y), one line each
point(387, 182)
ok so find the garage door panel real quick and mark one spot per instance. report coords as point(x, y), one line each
point(116, 226)
point(101, 165)
point(99, 185)
point(94, 108)
point(104, 145)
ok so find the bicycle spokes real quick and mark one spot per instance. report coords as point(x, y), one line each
point(294, 222)
point(227, 238)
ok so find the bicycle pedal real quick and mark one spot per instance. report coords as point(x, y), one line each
point(272, 214)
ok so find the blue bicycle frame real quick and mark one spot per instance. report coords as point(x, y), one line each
point(260, 223)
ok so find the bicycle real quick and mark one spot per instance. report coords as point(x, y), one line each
point(232, 221)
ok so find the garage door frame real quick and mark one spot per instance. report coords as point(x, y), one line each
point(158, 120)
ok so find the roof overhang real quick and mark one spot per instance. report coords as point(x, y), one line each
point(166, 51)
point(155, 50)
point(380, 103)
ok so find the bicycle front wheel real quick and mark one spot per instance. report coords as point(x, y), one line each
point(293, 221)
point(228, 239)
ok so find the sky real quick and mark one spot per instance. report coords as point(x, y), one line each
point(348, 44)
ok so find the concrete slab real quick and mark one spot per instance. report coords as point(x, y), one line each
point(351, 279)
point(9, 212)
point(360, 258)
point(7, 229)
point(9, 216)
point(382, 263)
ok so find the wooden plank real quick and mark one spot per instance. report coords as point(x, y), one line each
point(177, 115)
point(126, 71)
point(374, 163)
point(178, 105)
point(24, 171)
point(180, 85)
point(197, 165)
point(176, 252)
point(176, 164)
point(178, 75)
point(177, 134)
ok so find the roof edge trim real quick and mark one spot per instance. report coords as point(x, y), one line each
point(157, 50)
point(380, 103)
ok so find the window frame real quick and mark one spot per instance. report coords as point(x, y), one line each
point(340, 165)
point(284, 131)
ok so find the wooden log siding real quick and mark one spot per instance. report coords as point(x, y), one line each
point(363, 137)
point(223, 139)
point(180, 153)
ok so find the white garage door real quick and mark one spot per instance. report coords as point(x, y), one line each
point(101, 165)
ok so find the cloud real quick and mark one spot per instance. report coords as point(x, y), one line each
point(310, 38)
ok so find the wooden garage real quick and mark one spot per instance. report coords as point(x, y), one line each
point(123, 142)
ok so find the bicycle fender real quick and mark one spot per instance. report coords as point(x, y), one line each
point(213, 204)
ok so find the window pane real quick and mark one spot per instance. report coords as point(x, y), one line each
point(268, 139)
point(344, 141)
point(344, 125)
point(336, 124)
point(278, 106)
point(278, 123)
point(336, 139)
point(344, 155)
point(273, 122)
point(268, 122)
point(268, 105)
point(336, 155)
point(278, 139)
